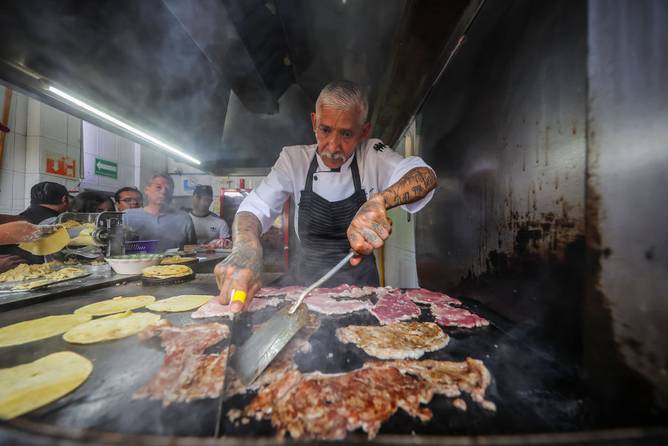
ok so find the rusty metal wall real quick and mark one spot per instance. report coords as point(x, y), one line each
point(627, 211)
point(505, 130)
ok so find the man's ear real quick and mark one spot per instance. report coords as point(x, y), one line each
point(366, 129)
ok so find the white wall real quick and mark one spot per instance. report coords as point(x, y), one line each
point(102, 144)
point(36, 129)
point(400, 268)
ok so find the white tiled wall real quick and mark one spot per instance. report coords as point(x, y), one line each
point(100, 143)
point(12, 171)
point(37, 129)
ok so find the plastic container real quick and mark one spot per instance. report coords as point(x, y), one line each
point(133, 263)
point(141, 246)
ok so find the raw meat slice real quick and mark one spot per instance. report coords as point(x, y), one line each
point(449, 316)
point(215, 309)
point(186, 373)
point(420, 295)
point(323, 303)
point(318, 406)
point(394, 306)
point(395, 341)
point(290, 292)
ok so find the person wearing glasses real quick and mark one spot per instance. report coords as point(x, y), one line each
point(343, 186)
point(128, 198)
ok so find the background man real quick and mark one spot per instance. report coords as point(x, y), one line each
point(128, 198)
point(333, 183)
point(157, 221)
point(209, 228)
point(47, 199)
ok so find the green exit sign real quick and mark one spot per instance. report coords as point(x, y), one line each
point(105, 168)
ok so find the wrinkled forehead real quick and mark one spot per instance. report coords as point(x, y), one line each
point(347, 118)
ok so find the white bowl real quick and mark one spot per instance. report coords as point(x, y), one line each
point(133, 263)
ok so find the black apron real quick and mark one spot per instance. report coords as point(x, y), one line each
point(322, 233)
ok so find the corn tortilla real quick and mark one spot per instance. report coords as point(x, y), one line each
point(42, 328)
point(166, 271)
point(112, 327)
point(114, 305)
point(27, 387)
point(183, 302)
point(49, 244)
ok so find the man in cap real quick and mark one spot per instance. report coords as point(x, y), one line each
point(210, 228)
point(47, 200)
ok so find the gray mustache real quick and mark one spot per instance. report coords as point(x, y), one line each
point(337, 156)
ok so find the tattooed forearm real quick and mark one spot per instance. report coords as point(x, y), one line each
point(413, 186)
point(247, 249)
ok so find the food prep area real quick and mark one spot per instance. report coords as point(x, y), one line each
point(542, 398)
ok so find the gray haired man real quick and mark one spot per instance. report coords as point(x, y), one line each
point(343, 185)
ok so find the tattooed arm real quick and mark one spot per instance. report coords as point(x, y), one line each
point(241, 269)
point(371, 225)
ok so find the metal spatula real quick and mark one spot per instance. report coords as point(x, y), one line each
point(262, 347)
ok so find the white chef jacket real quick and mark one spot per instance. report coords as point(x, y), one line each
point(379, 168)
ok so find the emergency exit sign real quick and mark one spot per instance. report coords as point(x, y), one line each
point(105, 168)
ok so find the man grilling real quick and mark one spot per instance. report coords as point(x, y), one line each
point(343, 186)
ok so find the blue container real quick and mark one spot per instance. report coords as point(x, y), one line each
point(147, 246)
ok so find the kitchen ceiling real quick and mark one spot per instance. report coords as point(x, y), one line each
point(170, 67)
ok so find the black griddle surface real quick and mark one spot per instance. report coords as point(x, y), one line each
point(533, 391)
point(104, 402)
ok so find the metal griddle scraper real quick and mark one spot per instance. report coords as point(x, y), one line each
point(262, 347)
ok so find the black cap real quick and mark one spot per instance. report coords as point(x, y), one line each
point(203, 189)
point(47, 192)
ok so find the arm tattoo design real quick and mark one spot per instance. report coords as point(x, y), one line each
point(413, 186)
point(247, 249)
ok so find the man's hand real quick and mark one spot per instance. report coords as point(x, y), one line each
point(238, 276)
point(8, 262)
point(21, 232)
point(219, 243)
point(370, 228)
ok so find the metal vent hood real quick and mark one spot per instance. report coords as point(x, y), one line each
point(170, 68)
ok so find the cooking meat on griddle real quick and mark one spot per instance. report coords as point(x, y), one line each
point(214, 308)
point(325, 304)
point(422, 296)
point(186, 373)
point(317, 406)
point(394, 306)
point(395, 341)
point(450, 316)
point(282, 364)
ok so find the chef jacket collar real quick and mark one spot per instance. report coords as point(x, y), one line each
point(344, 167)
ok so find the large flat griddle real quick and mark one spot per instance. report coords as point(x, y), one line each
point(533, 392)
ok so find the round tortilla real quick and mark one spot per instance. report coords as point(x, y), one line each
point(185, 302)
point(48, 244)
point(166, 271)
point(114, 305)
point(42, 328)
point(112, 327)
point(27, 387)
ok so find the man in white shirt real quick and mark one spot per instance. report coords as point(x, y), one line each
point(343, 186)
point(210, 228)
